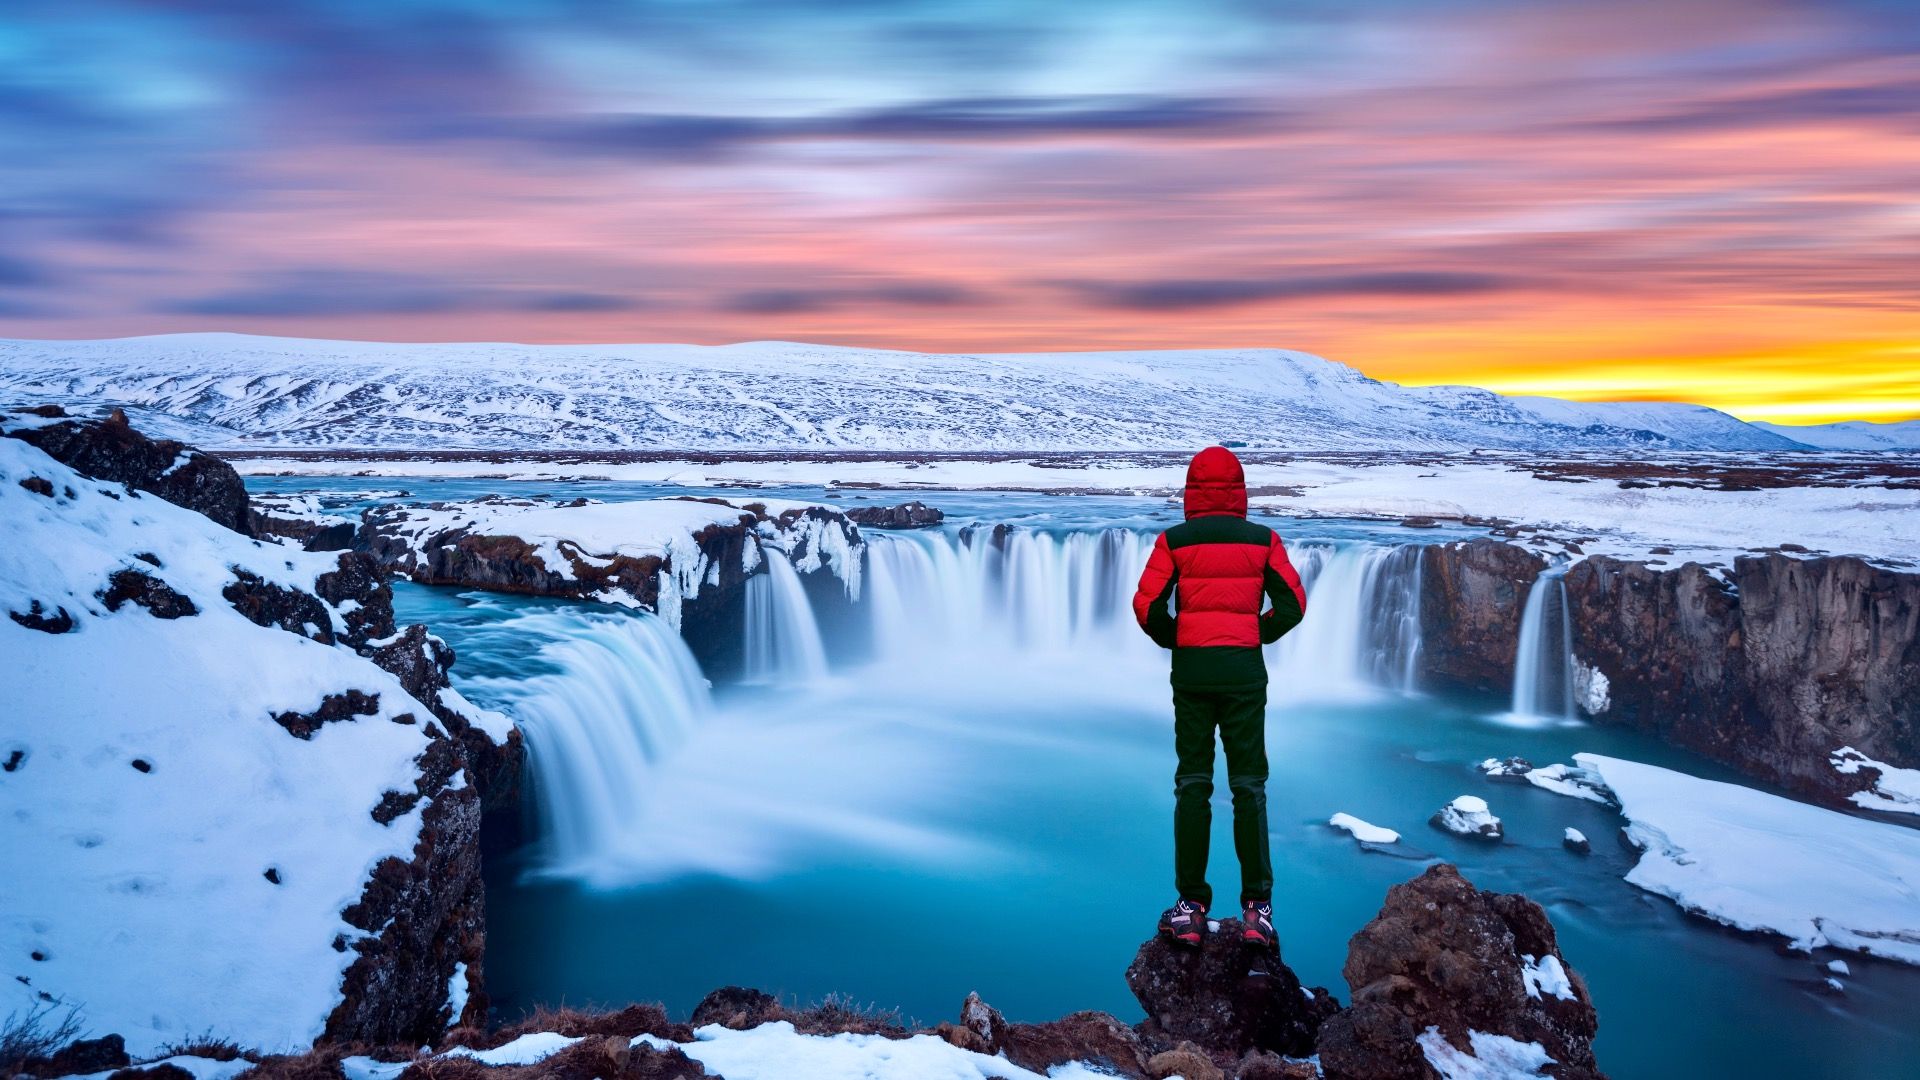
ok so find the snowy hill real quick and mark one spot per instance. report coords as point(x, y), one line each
point(1852, 434)
point(235, 390)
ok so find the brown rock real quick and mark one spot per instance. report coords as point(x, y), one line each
point(1442, 954)
point(1226, 996)
point(737, 1007)
point(1471, 596)
point(1096, 1038)
point(1186, 1061)
point(110, 449)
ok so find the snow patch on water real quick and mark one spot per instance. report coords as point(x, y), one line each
point(1362, 831)
point(1756, 861)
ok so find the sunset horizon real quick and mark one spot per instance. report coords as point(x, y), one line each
point(1708, 202)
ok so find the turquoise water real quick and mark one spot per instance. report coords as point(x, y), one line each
point(992, 818)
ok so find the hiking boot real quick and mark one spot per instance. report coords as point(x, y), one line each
point(1257, 917)
point(1185, 922)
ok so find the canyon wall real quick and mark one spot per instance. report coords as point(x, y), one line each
point(1768, 667)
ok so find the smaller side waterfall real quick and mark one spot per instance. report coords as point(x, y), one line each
point(1543, 667)
point(620, 691)
point(783, 644)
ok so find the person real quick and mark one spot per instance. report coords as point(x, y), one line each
point(1218, 568)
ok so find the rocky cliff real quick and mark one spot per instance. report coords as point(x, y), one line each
point(274, 693)
point(1471, 596)
point(1770, 666)
point(687, 559)
point(1770, 671)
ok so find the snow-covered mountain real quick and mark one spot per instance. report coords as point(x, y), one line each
point(1852, 434)
point(235, 390)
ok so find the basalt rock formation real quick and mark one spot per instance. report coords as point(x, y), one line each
point(110, 449)
point(1771, 671)
point(1770, 666)
point(1471, 596)
point(1444, 960)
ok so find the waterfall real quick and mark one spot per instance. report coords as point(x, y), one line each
point(783, 643)
point(1362, 630)
point(1030, 592)
point(1543, 668)
point(619, 690)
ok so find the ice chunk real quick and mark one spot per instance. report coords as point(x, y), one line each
point(1362, 831)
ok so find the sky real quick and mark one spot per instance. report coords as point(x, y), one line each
point(1704, 200)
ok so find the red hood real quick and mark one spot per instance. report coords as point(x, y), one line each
point(1216, 484)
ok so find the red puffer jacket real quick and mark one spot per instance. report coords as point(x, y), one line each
point(1219, 568)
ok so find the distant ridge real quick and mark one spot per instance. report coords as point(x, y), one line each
point(233, 391)
point(1851, 434)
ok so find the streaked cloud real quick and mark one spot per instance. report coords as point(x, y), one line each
point(1712, 200)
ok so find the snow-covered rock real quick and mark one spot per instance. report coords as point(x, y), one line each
point(1471, 981)
point(783, 395)
point(1576, 841)
point(1839, 967)
point(1759, 862)
point(207, 787)
point(1573, 782)
point(1894, 790)
point(657, 554)
point(1468, 816)
point(1510, 770)
point(1362, 831)
point(1489, 1057)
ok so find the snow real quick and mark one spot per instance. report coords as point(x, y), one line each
point(200, 1068)
point(1545, 976)
point(242, 390)
point(1493, 1057)
point(776, 1052)
point(457, 991)
point(1760, 862)
point(1468, 816)
point(1362, 831)
point(532, 1047)
point(1573, 836)
point(1839, 967)
point(143, 889)
point(1570, 781)
point(366, 1068)
point(1894, 790)
point(1852, 434)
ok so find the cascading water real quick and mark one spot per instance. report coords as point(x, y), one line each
point(1363, 622)
point(1543, 668)
point(1037, 592)
point(783, 643)
point(620, 690)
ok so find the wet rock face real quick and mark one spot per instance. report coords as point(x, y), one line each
point(1226, 996)
point(1472, 594)
point(1442, 954)
point(1771, 675)
point(112, 450)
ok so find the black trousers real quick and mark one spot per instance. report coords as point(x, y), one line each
point(1240, 716)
